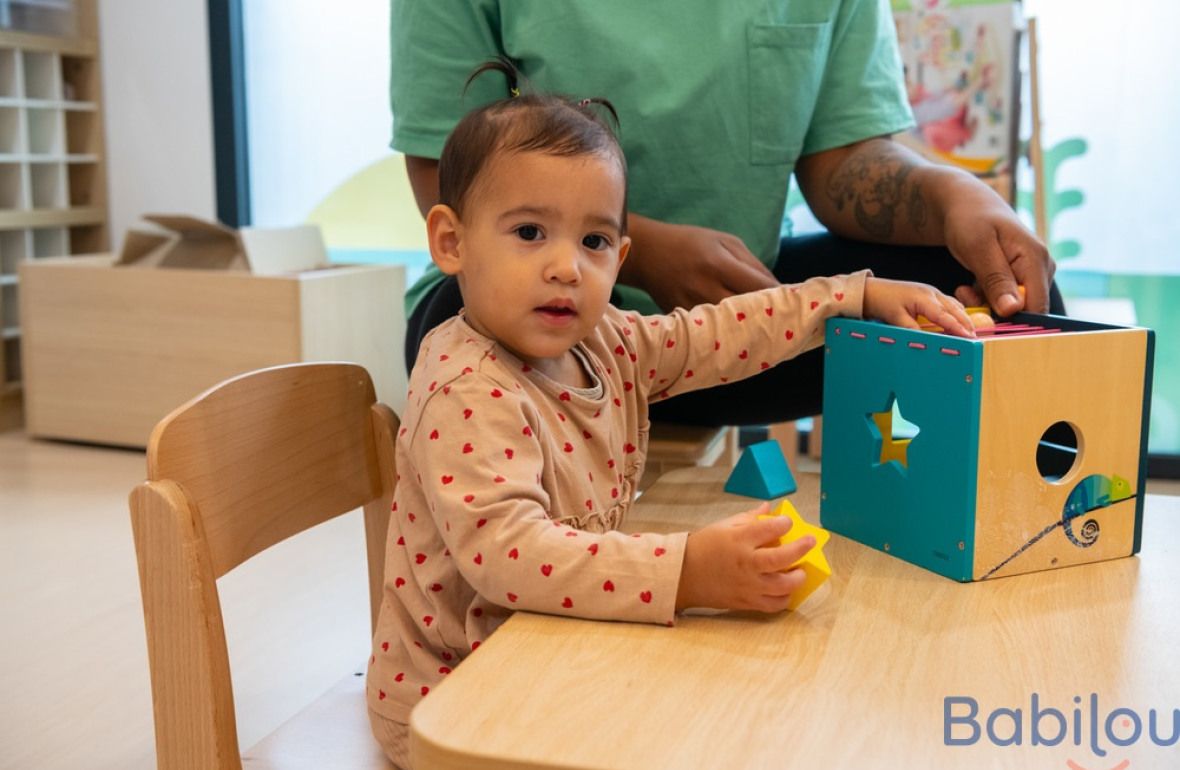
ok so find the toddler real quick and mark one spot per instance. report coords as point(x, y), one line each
point(525, 428)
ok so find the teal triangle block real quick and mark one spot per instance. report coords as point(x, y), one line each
point(761, 472)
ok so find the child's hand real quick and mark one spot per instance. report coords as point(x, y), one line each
point(901, 302)
point(737, 563)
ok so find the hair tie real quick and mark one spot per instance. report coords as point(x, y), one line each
point(514, 91)
point(584, 103)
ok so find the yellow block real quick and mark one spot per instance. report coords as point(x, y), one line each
point(813, 563)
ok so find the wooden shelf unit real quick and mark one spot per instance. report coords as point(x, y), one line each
point(53, 198)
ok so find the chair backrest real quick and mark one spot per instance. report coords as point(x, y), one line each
point(239, 468)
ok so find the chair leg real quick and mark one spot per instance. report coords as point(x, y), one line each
point(787, 436)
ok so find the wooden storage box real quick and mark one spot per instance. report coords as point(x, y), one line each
point(109, 351)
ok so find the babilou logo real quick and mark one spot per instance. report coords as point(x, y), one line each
point(1087, 724)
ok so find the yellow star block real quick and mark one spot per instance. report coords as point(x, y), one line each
point(814, 565)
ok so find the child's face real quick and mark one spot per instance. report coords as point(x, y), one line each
point(537, 251)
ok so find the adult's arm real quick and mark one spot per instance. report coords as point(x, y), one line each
point(877, 190)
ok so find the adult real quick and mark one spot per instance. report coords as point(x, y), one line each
point(718, 104)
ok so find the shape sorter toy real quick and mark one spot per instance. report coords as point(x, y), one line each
point(1026, 448)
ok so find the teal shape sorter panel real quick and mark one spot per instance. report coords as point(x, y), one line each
point(923, 512)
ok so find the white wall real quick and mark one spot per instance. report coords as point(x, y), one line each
point(158, 116)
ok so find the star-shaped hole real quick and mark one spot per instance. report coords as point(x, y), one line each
point(892, 433)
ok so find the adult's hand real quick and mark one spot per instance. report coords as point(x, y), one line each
point(685, 266)
point(986, 237)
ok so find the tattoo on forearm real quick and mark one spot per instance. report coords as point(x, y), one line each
point(873, 181)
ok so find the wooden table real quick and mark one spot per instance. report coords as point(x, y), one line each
point(858, 677)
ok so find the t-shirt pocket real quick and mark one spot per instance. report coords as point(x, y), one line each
point(786, 63)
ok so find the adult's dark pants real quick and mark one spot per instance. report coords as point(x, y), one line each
point(794, 388)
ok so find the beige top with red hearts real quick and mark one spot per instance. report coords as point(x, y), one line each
point(512, 486)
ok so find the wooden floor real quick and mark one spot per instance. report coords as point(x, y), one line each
point(74, 689)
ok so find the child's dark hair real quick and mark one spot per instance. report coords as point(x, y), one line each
point(522, 122)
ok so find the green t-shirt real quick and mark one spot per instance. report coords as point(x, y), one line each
point(716, 101)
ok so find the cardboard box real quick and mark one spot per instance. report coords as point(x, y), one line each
point(112, 344)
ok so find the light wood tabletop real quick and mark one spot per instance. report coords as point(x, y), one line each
point(859, 676)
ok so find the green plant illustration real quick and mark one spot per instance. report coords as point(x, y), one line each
point(1056, 201)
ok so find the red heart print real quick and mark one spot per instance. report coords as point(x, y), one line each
point(401, 540)
point(443, 670)
point(475, 645)
point(514, 554)
point(479, 524)
point(586, 435)
point(394, 507)
point(508, 453)
point(567, 602)
point(688, 374)
point(671, 344)
point(651, 374)
point(814, 304)
point(436, 587)
point(769, 312)
point(608, 586)
point(610, 463)
point(432, 386)
point(660, 551)
point(400, 676)
point(618, 402)
point(467, 370)
point(565, 396)
point(447, 656)
point(419, 558)
point(764, 366)
point(385, 646)
point(466, 414)
point(498, 480)
point(447, 479)
point(399, 582)
point(646, 597)
point(424, 690)
point(632, 356)
point(627, 386)
point(411, 517)
point(593, 549)
point(839, 296)
point(744, 355)
point(467, 448)
point(526, 431)
point(561, 416)
point(478, 558)
point(790, 334)
point(698, 322)
point(526, 368)
point(443, 357)
point(446, 390)
point(546, 569)
point(468, 498)
point(428, 619)
point(628, 448)
point(511, 597)
point(717, 345)
point(620, 350)
point(590, 505)
point(477, 612)
point(434, 435)
point(496, 393)
point(381, 695)
point(741, 316)
point(614, 492)
point(568, 447)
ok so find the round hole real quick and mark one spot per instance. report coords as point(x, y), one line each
point(1058, 451)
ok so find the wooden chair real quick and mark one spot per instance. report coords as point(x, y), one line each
point(236, 470)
